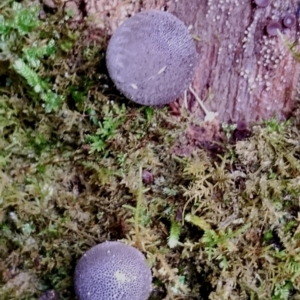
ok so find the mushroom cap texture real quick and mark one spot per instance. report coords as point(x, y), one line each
point(111, 271)
point(151, 58)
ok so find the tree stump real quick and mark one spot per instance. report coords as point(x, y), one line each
point(108, 15)
point(242, 73)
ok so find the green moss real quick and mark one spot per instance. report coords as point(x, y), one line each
point(72, 153)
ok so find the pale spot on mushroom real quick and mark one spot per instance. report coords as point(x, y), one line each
point(134, 86)
point(121, 277)
point(162, 70)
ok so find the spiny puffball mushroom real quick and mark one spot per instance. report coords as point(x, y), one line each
point(111, 271)
point(289, 20)
point(151, 58)
point(262, 3)
point(273, 27)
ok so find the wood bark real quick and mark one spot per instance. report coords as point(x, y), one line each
point(242, 72)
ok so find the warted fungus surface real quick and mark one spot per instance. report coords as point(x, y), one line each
point(151, 58)
point(112, 270)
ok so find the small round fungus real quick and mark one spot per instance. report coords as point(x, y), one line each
point(289, 20)
point(273, 27)
point(151, 58)
point(110, 271)
point(262, 3)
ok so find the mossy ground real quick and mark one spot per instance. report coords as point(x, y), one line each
point(221, 223)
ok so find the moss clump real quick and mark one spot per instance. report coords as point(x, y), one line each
point(221, 224)
point(246, 211)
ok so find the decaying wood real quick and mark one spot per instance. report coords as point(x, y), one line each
point(242, 73)
point(109, 14)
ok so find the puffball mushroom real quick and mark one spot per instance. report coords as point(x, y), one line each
point(112, 271)
point(262, 3)
point(151, 58)
point(289, 20)
point(273, 27)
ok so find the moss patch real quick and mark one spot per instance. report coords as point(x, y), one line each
point(81, 165)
